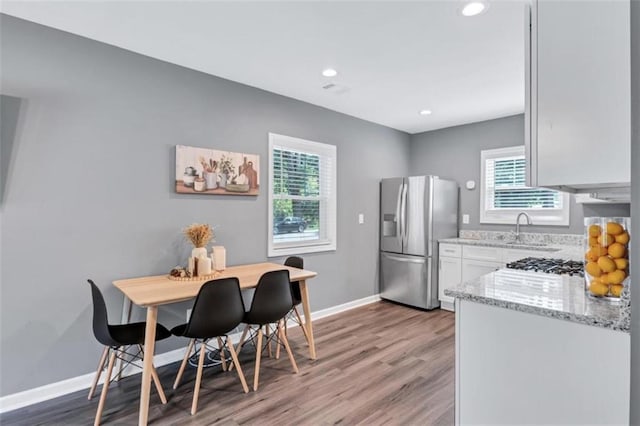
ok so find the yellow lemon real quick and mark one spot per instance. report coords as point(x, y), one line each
point(606, 239)
point(598, 288)
point(606, 264)
point(616, 277)
point(616, 290)
point(599, 251)
point(591, 255)
point(621, 263)
point(616, 250)
point(593, 269)
point(614, 228)
point(593, 241)
point(622, 238)
point(595, 230)
point(604, 278)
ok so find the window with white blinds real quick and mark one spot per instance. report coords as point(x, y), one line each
point(302, 196)
point(504, 193)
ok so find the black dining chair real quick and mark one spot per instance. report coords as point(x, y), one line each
point(296, 295)
point(271, 302)
point(117, 339)
point(218, 309)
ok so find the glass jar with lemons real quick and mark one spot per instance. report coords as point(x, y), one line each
point(606, 259)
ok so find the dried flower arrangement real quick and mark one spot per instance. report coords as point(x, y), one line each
point(210, 166)
point(199, 234)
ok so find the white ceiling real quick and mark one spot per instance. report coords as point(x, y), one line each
point(396, 58)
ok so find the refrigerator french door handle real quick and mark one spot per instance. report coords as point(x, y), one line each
point(398, 218)
point(403, 214)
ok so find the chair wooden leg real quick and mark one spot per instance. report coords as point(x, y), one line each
point(234, 357)
point(278, 339)
point(267, 335)
point(222, 357)
point(285, 341)
point(105, 388)
point(196, 389)
point(256, 373)
point(244, 336)
point(184, 363)
point(96, 379)
point(240, 343)
point(156, 381)
point(301, 324)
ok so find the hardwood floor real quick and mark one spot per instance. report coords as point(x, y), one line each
point(378, 364)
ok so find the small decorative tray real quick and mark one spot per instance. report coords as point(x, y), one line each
point(198, 278)
point(233, 187)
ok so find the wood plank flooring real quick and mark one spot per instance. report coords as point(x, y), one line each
point(381, 364)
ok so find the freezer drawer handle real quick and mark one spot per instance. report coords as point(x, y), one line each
point(405, 259)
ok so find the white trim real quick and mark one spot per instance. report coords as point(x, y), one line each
point(328, 240)
point(74, 384)
point(548, 217)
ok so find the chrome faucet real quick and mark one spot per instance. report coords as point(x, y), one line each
point(518, 224)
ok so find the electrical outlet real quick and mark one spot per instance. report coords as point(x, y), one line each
point(465, 218)
point(361, 218)
point(188, 314)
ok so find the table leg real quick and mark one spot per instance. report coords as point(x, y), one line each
point(149, 346)
point(307, 318)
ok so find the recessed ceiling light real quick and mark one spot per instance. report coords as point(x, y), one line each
point(425, 112)
point(329, 72)
point(473, 8)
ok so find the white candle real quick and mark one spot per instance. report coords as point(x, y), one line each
point(204, 266)
point(191, 265)
point(220, 258)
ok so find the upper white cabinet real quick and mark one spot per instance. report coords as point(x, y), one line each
point(578, 113)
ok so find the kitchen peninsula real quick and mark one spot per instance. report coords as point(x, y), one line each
point(533, 348)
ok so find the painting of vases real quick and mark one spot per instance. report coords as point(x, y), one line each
point(213, 172)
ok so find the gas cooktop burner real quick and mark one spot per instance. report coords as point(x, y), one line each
point(550, 266)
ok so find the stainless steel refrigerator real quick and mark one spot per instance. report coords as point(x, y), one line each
point(415, 212)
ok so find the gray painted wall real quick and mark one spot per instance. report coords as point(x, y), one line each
point(90, 190)
point(454, 153)
point(635, 210)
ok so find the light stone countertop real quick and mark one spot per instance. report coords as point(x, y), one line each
point(559, 251)
point(556, 296)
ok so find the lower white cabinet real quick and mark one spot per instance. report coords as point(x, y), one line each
point(460, 263)
point(449, 275)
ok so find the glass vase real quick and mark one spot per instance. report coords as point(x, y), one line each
point(606, 259)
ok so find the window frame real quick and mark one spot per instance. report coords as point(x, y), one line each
point(328, 216)
point(541, 216)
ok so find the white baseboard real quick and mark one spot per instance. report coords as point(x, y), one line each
point(74, 384)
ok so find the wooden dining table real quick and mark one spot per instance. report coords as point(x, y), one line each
point(153, 291)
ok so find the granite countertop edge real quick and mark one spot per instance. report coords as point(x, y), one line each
point(536, 310)
point(502, 244)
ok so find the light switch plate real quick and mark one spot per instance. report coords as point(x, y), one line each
point(361, 218)
point(465, 218)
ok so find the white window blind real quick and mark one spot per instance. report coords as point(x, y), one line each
point(505, 194)
point(302, 196)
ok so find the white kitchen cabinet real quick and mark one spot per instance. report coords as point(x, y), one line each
point(520, 368)
point(472, 269)
point(578, 105)
point(459, 263)
point(449, 276)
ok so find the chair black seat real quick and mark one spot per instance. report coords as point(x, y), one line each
point(272, 299)
point(295, 262)
point(133, 334)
